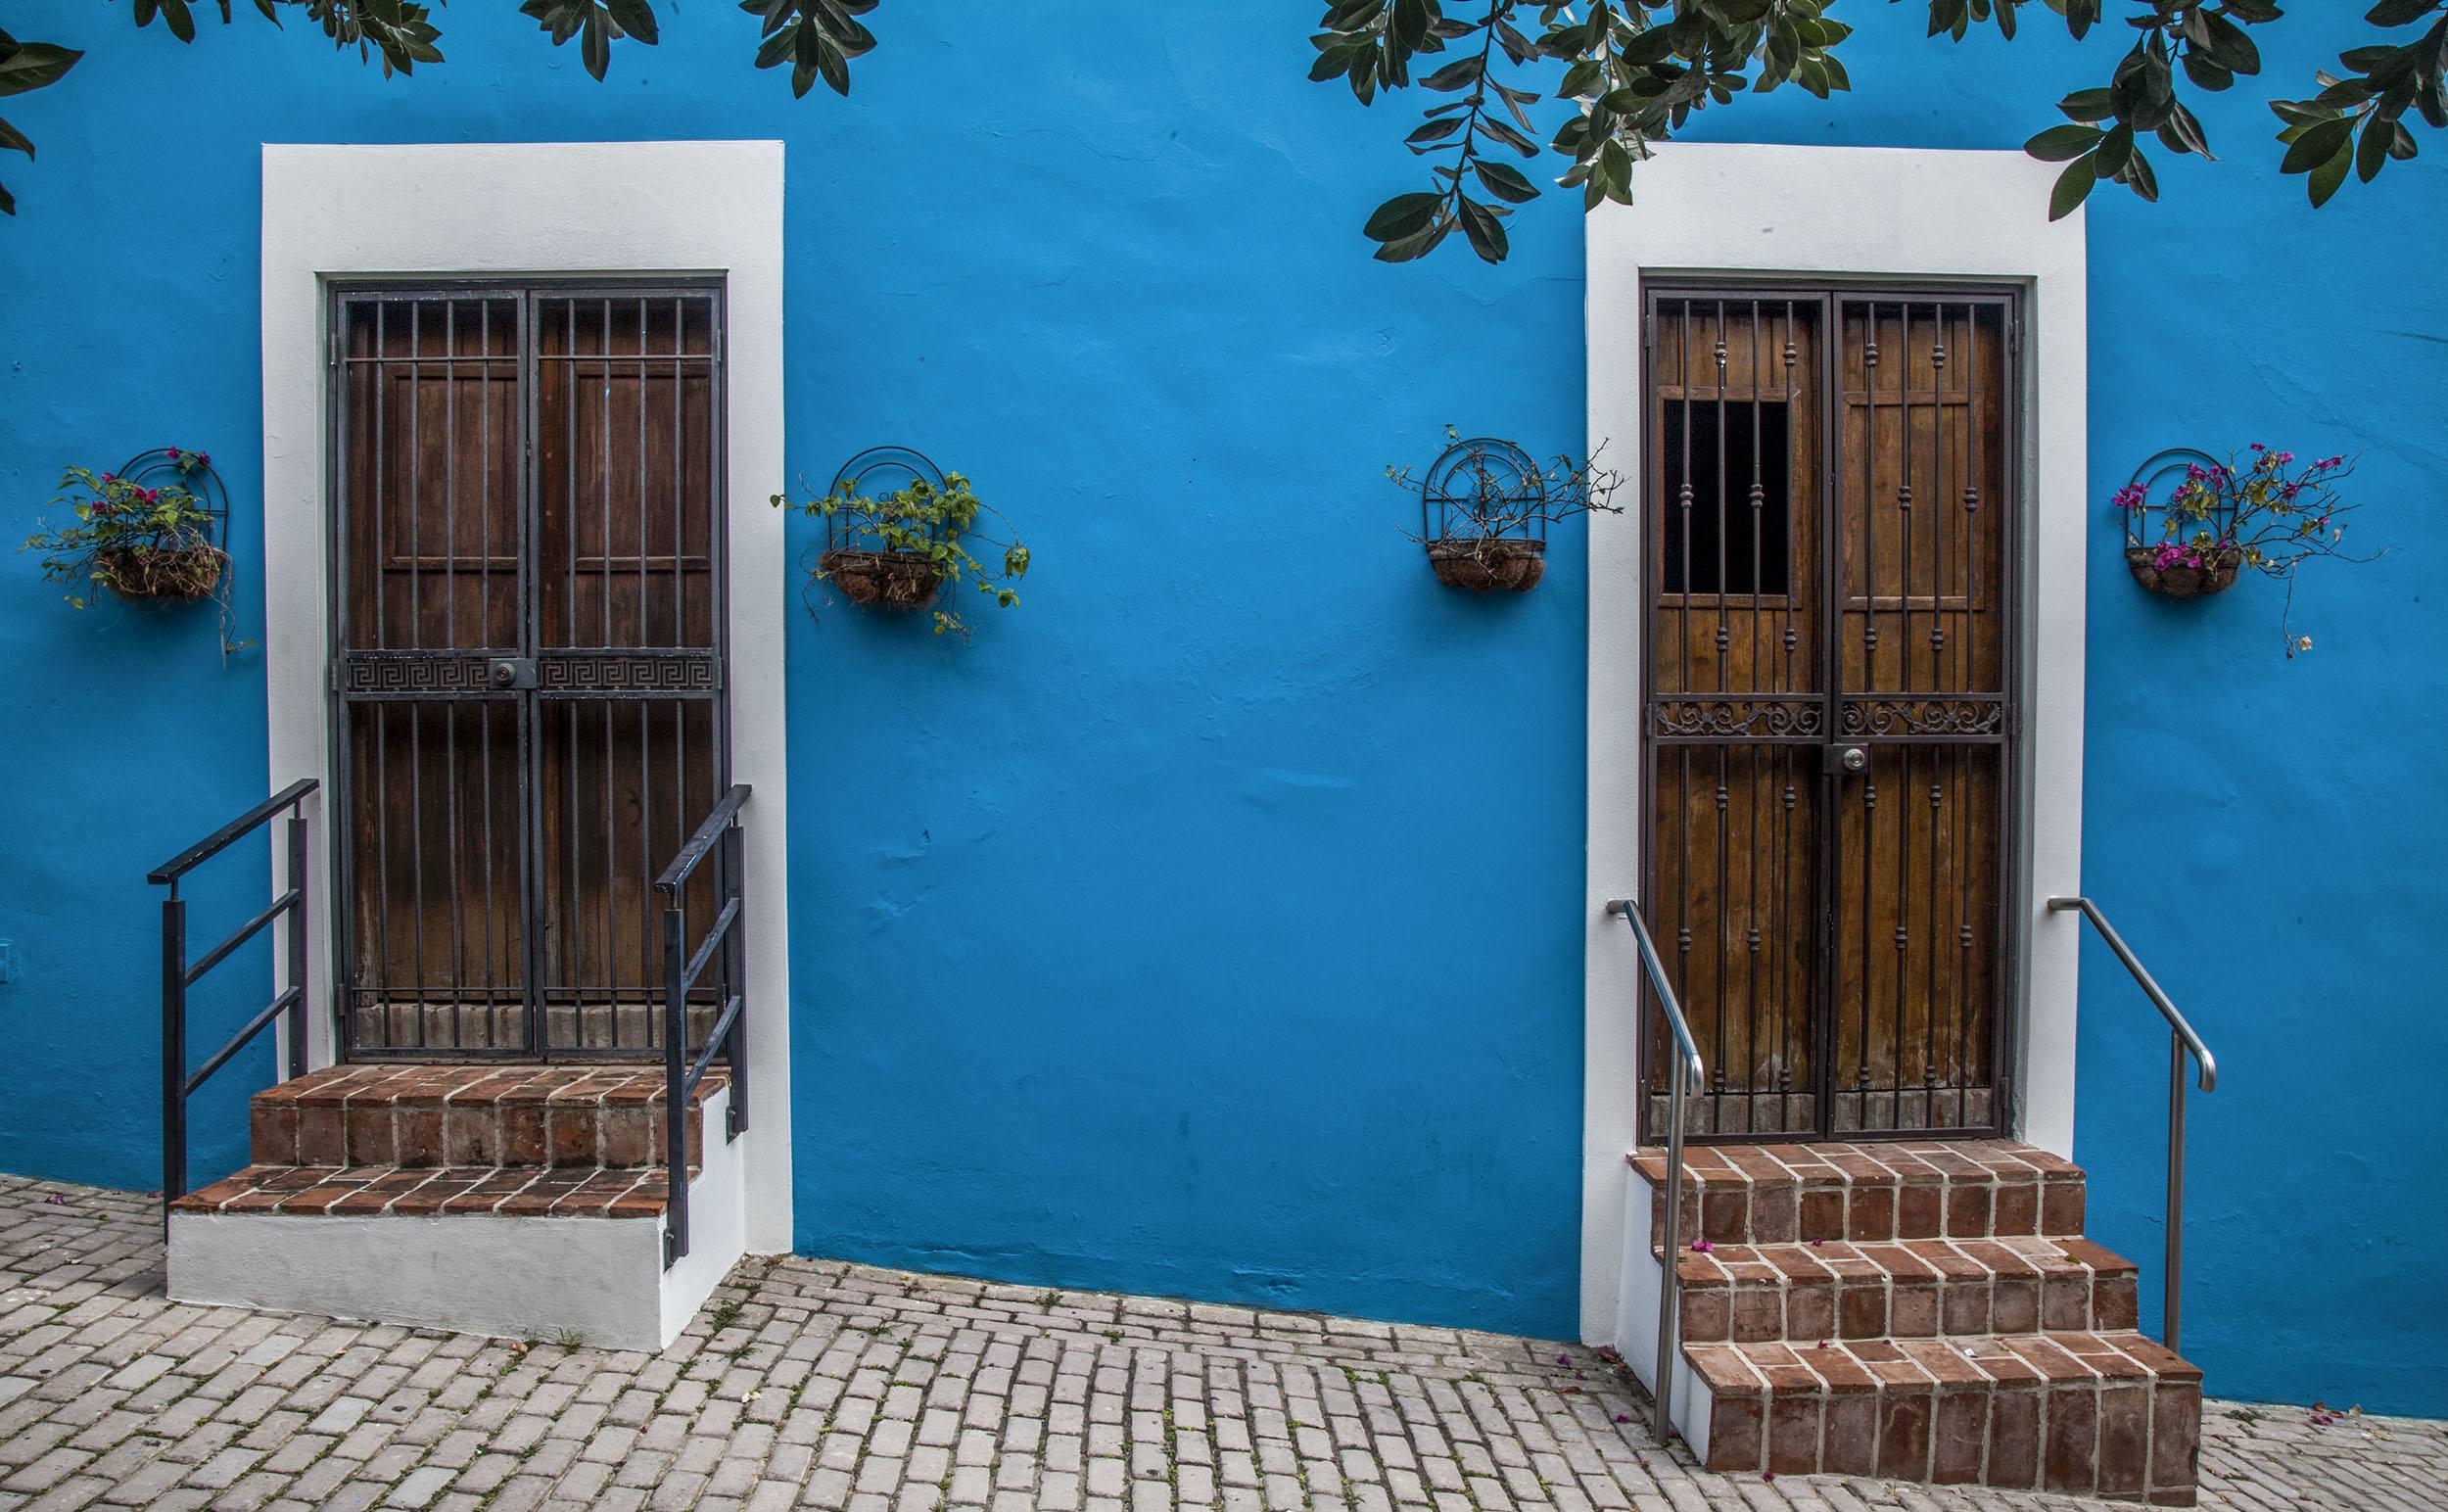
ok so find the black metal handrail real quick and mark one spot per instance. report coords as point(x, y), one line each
point(1683, 1073)
point(178, 974)
point(719, 835)
point(2181, 1041)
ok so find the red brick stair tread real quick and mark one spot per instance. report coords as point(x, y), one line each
point(2108, 1414)
point(1907, 1289)
point(470, 1115)
point(366, 1190)
point(1871, 1190)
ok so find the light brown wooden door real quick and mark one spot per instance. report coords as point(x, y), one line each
point(1828, 718)
point(528, 660)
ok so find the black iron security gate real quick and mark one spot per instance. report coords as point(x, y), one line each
point(1830, 717)
point(528, 662)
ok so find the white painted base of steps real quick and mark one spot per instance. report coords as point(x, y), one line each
point(1636, 1322)
point(509, 1277)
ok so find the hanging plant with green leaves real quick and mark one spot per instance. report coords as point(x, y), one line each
point(139, 539)
point(900, 548)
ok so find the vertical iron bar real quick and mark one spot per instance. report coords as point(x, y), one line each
point(611, 846)
point(379, 583)
point(416, 638)
point(1751, 855)
point(174, 1052)
point(1683, 681)
point(296, 942)
point(485, 635)
point(526, 711)
point(1724, 754)
point(1902, 684)
point(2175, 1303)
point(1869, 681)
point(454, 836)
point(342, 734)
point(645, 710)
point(674, 1084)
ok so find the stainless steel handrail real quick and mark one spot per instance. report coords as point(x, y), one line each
point(2181, 1041)
point(1685, 1072)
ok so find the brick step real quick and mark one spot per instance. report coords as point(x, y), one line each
point(1869, 1192)
point(2100, 1414)
point(428, 1116)
point(1914, 1289)
point(431, 1191)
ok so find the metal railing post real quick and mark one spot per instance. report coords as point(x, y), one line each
point(2174, 1301)
point(2182, 1042)
point(1684, 1072)
point(735, 977)
point(676, 1083)
point(1669, 1285)
point(174, 1051)
point(298, 1015)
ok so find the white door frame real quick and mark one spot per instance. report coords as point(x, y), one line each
point(1832, 214)
point(531, 209)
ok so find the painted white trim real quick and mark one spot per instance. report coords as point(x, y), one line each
point(1834, 211)
point(535, 210)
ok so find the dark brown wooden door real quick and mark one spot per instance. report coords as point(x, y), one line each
point(1829, 722)
point(527, 661)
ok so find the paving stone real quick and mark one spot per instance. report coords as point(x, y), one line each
point(847, 1388)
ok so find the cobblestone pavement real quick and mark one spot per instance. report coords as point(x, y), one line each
point(811, 1382)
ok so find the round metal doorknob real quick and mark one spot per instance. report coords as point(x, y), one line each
point(503, 674)
point(1854, 758)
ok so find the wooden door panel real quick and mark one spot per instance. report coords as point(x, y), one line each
point(529, 632)
point(1737, 701)
point(430, 445)
point(1922, 645)
point(437, 927)
point(1828, 538)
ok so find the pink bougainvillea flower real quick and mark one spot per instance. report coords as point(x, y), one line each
point(1701, 1247)
point(1622, 1418)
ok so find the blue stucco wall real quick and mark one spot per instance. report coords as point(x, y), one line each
point(1211, 925)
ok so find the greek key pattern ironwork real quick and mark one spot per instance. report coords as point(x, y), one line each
point(670, 674)
point(1959, 717)
point(1735, 717)
point(436, 675)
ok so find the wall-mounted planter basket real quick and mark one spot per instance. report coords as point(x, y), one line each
point(899, 530)
point(2216, 574)
point(882, 579)
point(1484, 510)
point(2168, 569)
point(1489, 564)
point(868, 573)
point(187, 568)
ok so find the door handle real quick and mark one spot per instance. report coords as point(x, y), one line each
point(1845, 757)
point(512, 671)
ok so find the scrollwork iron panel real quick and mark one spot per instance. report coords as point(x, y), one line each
point(1720, 718)
point(1965, 717)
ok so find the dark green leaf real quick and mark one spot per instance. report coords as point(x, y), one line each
point(34, 64)
point(1402, 215)
point(1505, 181)
point(2059, 143)
point(2319, 143)
point(1484, 230)
point(2073, 187)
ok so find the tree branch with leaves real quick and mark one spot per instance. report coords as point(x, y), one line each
point(815, 39)
point(1639, 70)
